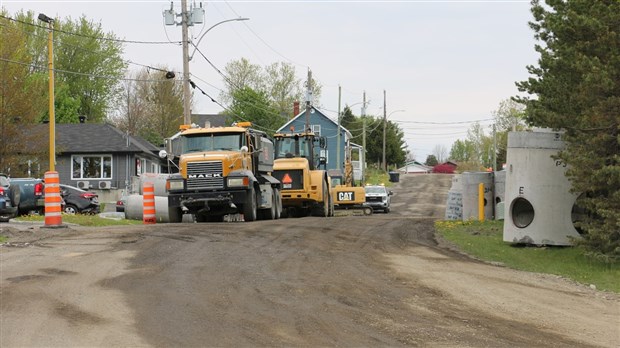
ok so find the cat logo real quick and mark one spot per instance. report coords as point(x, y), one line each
point(287, 181)
point(346, 196)
point(204, 176)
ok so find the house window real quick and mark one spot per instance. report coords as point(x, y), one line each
point(316, 129)
point(140, 166)
point(145, 166)
point(91, 167)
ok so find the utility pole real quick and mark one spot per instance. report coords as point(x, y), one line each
point(384, 164)
point(363, 164)
point(308, 100)
point(494, 149)
point(50, 65)
point(338, 141)
point(187, 119)
point(188, 18)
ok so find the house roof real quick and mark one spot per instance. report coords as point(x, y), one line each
point(303, 113)
point(415, 164)
point(94, 137)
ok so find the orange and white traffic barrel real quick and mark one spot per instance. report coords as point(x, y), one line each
point(148, 203)
point(53, 202)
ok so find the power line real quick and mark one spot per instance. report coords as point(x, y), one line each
point(239, 36)
point(107, 77)
point(93, 37)
point(461, 122)
point(64, 44)
point(263, 41)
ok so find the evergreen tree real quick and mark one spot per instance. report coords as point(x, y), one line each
point(431, 161)
point(576, 88)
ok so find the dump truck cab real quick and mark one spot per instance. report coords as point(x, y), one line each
point(222, 171)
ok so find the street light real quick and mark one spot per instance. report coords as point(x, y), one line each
point(213, 26)
point(50, 64)
point(384, 130)
point(187, 118)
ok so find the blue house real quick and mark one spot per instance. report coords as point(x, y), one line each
point(322, 126)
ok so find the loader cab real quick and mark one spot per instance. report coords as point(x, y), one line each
point(305, 145)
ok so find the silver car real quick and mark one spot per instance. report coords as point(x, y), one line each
point(378, 197)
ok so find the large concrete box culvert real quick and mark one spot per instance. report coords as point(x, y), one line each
point(499, 193)
point(471, 182)
point(454, 205)
point(538, 201)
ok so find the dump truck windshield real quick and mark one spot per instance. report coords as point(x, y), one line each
point(212, 142)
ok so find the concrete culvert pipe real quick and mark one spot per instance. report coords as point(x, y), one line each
point(522, 212)
point(471, 182)
point(540, 207)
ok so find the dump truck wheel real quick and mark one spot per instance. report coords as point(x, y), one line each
point(249, 208)
point(278, 200)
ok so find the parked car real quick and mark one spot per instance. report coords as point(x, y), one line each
point(378, 197)
point(9, 199)
point(78, 201)
point(31, 195)
point(120, 204)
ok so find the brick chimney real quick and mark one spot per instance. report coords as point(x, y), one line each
point(295, 108)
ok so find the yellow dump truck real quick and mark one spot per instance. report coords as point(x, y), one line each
point(223, 171)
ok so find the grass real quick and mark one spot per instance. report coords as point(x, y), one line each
point(484, 240)
point(83, 220)
point(3, 239)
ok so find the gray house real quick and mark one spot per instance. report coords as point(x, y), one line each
point(100, 157)
point(325, 127)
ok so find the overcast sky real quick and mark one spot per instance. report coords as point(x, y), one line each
point(439, 61)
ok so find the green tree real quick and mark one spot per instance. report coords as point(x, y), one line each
point(347, 119)
point(576, 88)
point(278, 82)
point(282, 87)
point(395, 146)
point(431, 161)
point(509, 116)
point(254, 106)
point(95, 59)
point(152, 106)
point(88, 65)
point(67, 108)
point(240, 74)
point(23, 95)
point(462, 151)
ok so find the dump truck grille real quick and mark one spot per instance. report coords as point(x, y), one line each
point(205, 175)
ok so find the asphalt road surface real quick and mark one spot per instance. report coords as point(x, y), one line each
point(363, 281)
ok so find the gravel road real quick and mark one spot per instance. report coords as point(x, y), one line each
point(367, 281)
